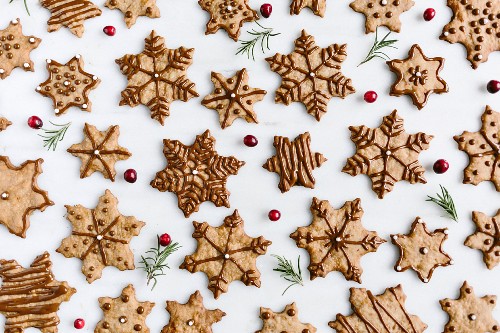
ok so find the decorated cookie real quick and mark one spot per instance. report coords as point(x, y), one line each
point(157, 77)
point(133, 9)
point(294, 162)
point(191, 317)
point(318, 7)
point(382, 13)
point(4, 123)
point(228, 15)
point(418, 76)
point(311, 75)
point(99, 151)
point(284, 321)
point(15, 49)
point(196, 173)
point(483, 148)
point(30, 297)
point(476, 25)
point(70, 13)
point(470, 314)
point(20, 195)
point(378, 313)
point(387, 154)
point(124, 314)
point(68, 85)
point(233, 98)
point(225, 254)
point(486, 238)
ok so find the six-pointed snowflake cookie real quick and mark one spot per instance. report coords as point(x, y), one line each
point(486, 238)
point(284, 321)
point(382, 13)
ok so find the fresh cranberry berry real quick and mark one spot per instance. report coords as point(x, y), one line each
point(165, 240)
point(274, 215)
point(266, 10)
point(79, 323)
point(440, 166)
point(493, 86)
point(429, 14)
point(35, 122)
point(109, 30)
point(130, 175)
point(250, 141)
point(370, 96)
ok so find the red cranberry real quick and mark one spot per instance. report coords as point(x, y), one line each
point(165, 240)
point(493, 86)
point(250, 141)
point(266, 10)
point(274, 215)
point(109, 30)
point(35, 122)
point(429, 14)
point(440, 166)
point(370, 96)
point(79, 323)
point(130, 175)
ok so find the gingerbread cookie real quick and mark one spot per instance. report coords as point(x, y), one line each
point(68, 85)
point(4, 123)
point(157, 77)
point(15, 49)
point(382, 13)
point(124, 314)
point(378, 313)
point(284, 321)
point(294, 162)
point(196, 173)
point(133, 9)
point(20, 195)
point(99, 151)
point(311, 75)
point(233, 98)
point(470, 314)
point(70, 13)
point(191, 317)
point(486, 238)
point(387, 154)
point(30, 297)
point(318, 7)
point(483, 148)
point(225, 254)
point(476, 25)
point(418, 76)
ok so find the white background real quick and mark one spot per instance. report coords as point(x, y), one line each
point(254, 190)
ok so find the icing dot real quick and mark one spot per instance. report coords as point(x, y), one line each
point(338, 239)
point(84, 106)
point(398, 268)
point(452, 262)
point(122, 319)
point(56, 110)
point(96, 152)
point(388, 153)
point(480, 56)
point(395, 237)
point(446, 34)
point(26, 65)
point(5, 195)
point(32, 40)
point(312, 74)
point(229, 8)
point(77, 56)
point(418, 74)
point(424, 250)
point(226, 256)
point(420, 220)
point(194, 172)
point(233, 95)
point(157, 75)
point(15, 21)
point(48, 61)
point(191, 322)
point(2, 71)
point(99, 237)
point(472, 316)
point(426, 280)
point(38, 88)
point(66, 83)
point(383, 2)
point(445, 231)
point(94, 77)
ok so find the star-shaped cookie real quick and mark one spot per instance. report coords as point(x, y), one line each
point(311, 75)
point(196, 173)
point(318, 7)
point(294, 162)
point(20, 195)
point(387, 154)
point(100, 237)
point(225, 254)
point(284, 321)
point(233, 98)
point(382, 13)
point(470, 314)
point(70, 13)
point(191, 317)
point(30, 297)
point(483, 148)
point(486, 238)
point(421, 250)
point(68, 85)
point(124, 314)
point(418, 76)
point(157, 77)
point(4, 123)
point(228, 15)
point(476, 25)
point(99, 151)
point(15, 49)
point(133, 9)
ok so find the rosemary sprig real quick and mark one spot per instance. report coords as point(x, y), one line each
point(377, 45)
point(25, 6)
point(51, 137)
point(154, 264)
point(445, 201)
point(248, 46)
point(288, 272)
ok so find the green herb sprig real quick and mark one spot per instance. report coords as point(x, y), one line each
point(154, 264)
point(25, 6)
point(377, 46)
point(51, 137)
point(288, 272)
point(248, 46)
point(445, 201)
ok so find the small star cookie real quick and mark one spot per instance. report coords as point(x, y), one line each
point(486, 238)
point(318, 7)
point(70, 13)
point(132, 9)
point(284, 321)
point(382, 13)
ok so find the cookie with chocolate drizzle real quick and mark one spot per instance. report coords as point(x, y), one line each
point(70, 13)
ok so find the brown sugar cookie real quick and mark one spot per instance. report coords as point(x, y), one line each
point(15, 49)
point(284, 321)
point(68, 85)
point(4, 123)
point(157, 77)
point(318, 7)
point(191, 317)
point(20, 195)
point(100, 237)
point(470, 314)
point(124, 314)
point(233, 98)
point(225, 254)
point(378, 313)
point(483, 148)
point(382, 13)
point(196, 173)
point(387, 154)
point(421, 250)
point(132, 9)
point(476, 25)
point(486, 237)
point(418, 76)
point(311, 75)
point(228, 15)
point(99, 151)
point(294, 162)
point(30, 297)
point(70, 13)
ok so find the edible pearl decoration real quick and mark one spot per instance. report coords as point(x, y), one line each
point(312, 74)
point(96, 152)
point(233, 95)
point(226, 256)
point(383, 2)
point(191, 322)
point(338, 239)
point(99, 237)
point(5, 195)
point(388, 153)
point(194, 172)
point(418, 74)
